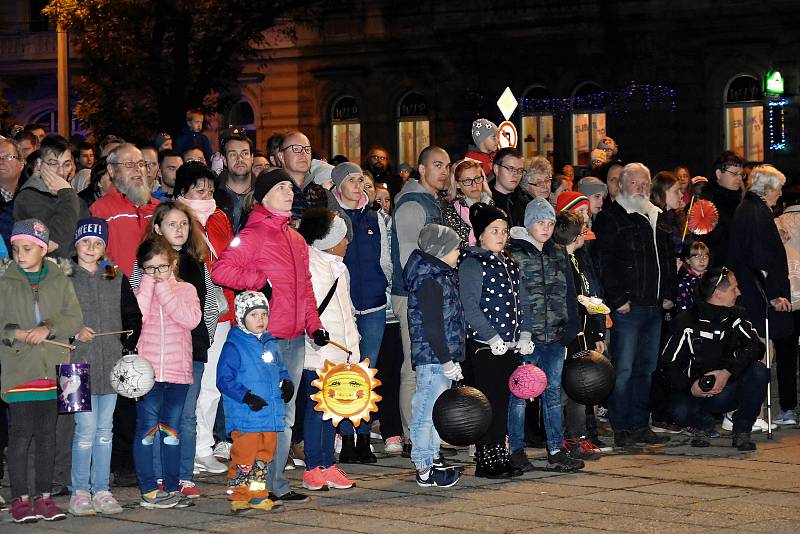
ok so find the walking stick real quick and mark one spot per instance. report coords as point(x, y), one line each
point(759, 280)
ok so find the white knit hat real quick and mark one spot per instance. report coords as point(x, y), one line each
point(336, 233)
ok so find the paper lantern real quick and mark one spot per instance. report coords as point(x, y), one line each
point(132, 376)
point(527, 382)
point(346, 391)
point(462, 415)
point(703, 217)
point(588, 377)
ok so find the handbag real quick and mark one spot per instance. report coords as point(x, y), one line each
point(219, 294)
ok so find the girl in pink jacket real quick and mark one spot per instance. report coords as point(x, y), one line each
point(170, 310)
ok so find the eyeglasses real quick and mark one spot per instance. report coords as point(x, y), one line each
point(543, 183)
point(196, 160)
point(54, 164)
point(723, 273)
point(131, 164)
point(156, 268)
point(378, 158)
point(469, 181)
point(8, 157)
point(736, 174)
point(513, 170)
point(701, 256)
point(298, 148)
point(244, 154)
point(151, 165)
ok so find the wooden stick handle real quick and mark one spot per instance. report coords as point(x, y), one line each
point(339, 346)
point(59, 344)
point(113, 332)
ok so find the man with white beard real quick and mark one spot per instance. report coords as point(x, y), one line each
point(638, 274)
point(128, 205)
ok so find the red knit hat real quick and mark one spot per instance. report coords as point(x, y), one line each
point(570, 201)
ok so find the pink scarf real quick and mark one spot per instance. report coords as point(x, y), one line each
point(202, 209)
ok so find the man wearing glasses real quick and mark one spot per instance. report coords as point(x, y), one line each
point(726, 194)
point(236, 180)
point(378, 163)
point(128, 205)
point(48, 196)
point(509, 169)
point(11, 164)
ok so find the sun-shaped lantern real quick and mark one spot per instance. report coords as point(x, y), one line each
point(346, 391)
point(703, 217)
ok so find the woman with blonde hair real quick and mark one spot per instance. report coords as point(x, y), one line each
point(468, 185)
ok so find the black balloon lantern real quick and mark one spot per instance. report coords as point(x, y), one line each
point(588, 377)
point(462, 415)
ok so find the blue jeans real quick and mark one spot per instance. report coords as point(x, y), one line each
point(91, 445)
point(634, 352)
point(431, 383)
point(159, 411)
point(187, 428)
point(550, 359)
point(293, 354)
point(371, 327)
point(745, 395)
point(319, 434)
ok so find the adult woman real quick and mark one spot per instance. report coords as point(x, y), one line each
point(468, 185)
point(558, 186)
point(194, 188)
point(369, 256)
point(539, 178)
point(99, 182)
point(489, 284)
point(684, 182)
point(665, 193)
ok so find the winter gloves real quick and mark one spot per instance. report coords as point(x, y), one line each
point(452, 370)
point(321, 337)
point(498, 347)
point(254, 401)
point(287, 390)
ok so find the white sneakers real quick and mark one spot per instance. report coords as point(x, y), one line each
point(789, 417)
point(223, 450)
point(759, 426)
point(210, 465)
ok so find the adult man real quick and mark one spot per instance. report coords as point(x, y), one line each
point(260, 163)
point(84, 156)
point(415, 206)
point(150, 155)
point(28, 143)
point(194, 154)
point(715, 341)
point(11, 164)
point(37, 131)
point(236, 180)
point(378, 164)
point(726, 194)
point(638, 274)
point(168, 163)
point(48, 196)
point(509, 168)
point(128, 205)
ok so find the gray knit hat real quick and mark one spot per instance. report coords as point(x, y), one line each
point(320, 171)
point(481, 129)
point(591, 185)
point(438, 240)
point(32, 230)
point(343, 170)
point(247, 301)
point(538, 209)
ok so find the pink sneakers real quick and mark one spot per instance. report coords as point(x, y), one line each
point(336, 478)
point(314, 479)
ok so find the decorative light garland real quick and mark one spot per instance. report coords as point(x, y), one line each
point(632, 97)
point(776, 123)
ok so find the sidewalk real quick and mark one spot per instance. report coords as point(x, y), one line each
point(668, 489)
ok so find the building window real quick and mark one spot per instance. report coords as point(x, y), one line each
point(413, 128)
point(241, 115)
point(744, 117)
point(588, 121)
point(537, 124)
point(346, 129)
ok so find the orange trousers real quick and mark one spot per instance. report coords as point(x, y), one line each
point(250, 456)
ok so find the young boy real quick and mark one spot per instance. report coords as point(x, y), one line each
point(39, 305)
point(484, 135)
point(437, 331)
point(193, 136)
point(255, 385)
point(551, 303)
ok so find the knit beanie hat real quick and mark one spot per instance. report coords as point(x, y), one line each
point(92, 227)
point(320, 171)
point(404, 167)
point(591, 185)
point(340, 173)
point(32, 230)
point(538, 209)
point(482, 215)
point(438, 240)
point(247, 301)
point(336, 232)
point(570, 201)
point(481, 129)
point(268, 180)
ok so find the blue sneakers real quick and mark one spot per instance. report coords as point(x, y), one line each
point(439, 478)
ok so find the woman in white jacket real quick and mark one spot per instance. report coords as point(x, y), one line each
point(325, 233)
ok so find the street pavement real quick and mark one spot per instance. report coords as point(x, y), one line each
point(671, 488)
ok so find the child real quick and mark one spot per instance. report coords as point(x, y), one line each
point(437, 331)
point(193, 136)
point(551, 302)
point(694, 266)
point(484, 135)
point(255, 385)
point(325, 232)
point(108, 304)
point(39, 304)
point(170, 310)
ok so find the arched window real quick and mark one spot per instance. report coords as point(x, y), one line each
point(537, 124)
point(588, 121)
point(413, 128)
point(47, 120)
point(242, 115)
point(346, 129)
point(744, 117)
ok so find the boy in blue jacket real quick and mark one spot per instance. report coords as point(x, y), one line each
point(255, 385)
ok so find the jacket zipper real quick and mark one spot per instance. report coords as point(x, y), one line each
point(516, 316)
point(544, 289)
point(161, 326)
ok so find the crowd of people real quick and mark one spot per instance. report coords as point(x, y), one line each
point(231, 273)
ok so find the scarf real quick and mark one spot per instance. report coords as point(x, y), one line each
point(201, 209)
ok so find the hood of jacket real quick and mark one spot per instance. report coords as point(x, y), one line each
point(35, 182)
point(521, 238)
point(63, 264)
point(413, 186)
point(421, 263)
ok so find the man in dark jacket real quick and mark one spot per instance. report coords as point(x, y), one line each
point(726, 194)
point(379, 164)
point(712, 361)
point(11, 164)
point(508, 168)
point(235, 181)
point(638, 277)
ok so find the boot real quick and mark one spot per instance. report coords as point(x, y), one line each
point(363, 450)
point(507, 465)
point(348, 454)
point(742, 441)
point(519, 460)
point(489, 462)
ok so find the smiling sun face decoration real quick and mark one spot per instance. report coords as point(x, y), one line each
point(346, 391)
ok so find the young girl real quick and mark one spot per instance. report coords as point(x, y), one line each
point(39, 304)
point(170, 310)
point(108, 304)
point(694, 266)
point(174, 223)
